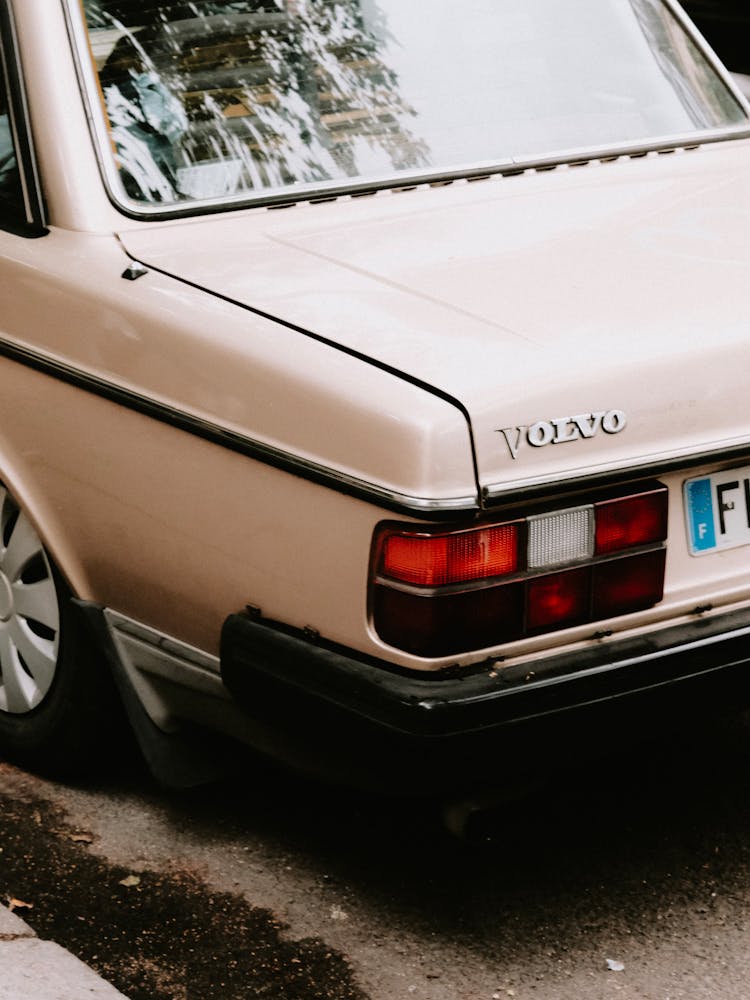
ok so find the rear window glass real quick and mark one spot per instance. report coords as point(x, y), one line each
point(207, 100)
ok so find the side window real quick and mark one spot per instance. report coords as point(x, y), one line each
point(11, 192)
point(21, 207)
point(12, 208)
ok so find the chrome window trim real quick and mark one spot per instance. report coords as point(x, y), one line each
point(20, 122)
point(342, 482)
point(407, 180)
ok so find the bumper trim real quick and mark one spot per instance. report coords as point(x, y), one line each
point(276, 672)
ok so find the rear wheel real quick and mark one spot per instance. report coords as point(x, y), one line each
point(53, 699)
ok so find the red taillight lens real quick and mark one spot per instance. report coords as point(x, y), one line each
point(628, 584)
point(631, 521)
point(437, 560)
point(558, 599)
point(450, 623)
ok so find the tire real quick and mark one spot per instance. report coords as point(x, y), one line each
point(55, 703)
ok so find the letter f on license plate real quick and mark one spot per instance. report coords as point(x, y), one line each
point(717, 510)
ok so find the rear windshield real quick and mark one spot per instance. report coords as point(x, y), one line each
point(206, 101)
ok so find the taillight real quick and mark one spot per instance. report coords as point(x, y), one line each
point(441, 624)
point(630, 521)
point(558, 599)
point(437, 560)
point(631, 584)
point(440, 592)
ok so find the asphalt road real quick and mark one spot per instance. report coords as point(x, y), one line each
point(268, 885)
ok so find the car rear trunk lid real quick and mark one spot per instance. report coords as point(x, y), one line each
point(587, 320)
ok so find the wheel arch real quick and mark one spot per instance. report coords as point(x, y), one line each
point(17, 476)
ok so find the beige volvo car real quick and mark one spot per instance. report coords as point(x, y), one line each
point(373, 378)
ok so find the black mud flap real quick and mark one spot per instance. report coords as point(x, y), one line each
point(172, 759)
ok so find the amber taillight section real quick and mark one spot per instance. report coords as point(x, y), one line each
point(437, 560)
point(440, 592)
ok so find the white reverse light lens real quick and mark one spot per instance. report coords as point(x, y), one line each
point(563, 537)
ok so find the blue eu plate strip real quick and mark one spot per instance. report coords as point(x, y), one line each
point(701, 515)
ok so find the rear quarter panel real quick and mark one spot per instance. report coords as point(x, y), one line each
point(174, 530)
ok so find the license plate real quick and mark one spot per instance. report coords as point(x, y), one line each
point(717, 509)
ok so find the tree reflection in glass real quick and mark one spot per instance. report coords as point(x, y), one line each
point(209, 99)
point(213, 100)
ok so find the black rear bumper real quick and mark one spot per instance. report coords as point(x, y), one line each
point(361, 720)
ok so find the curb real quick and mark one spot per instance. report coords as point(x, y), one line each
point(42, 970)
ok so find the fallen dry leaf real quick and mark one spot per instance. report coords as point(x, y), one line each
point(130, 881)
point(82, 838)
point(18, 904)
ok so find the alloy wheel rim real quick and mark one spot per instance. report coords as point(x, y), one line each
point(29, 613)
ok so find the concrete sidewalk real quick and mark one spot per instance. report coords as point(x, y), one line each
point(31, 969)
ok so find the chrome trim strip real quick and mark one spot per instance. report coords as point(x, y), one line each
point(407, 180)
point(160, 641)
point(734, 449)
point(258, 450)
